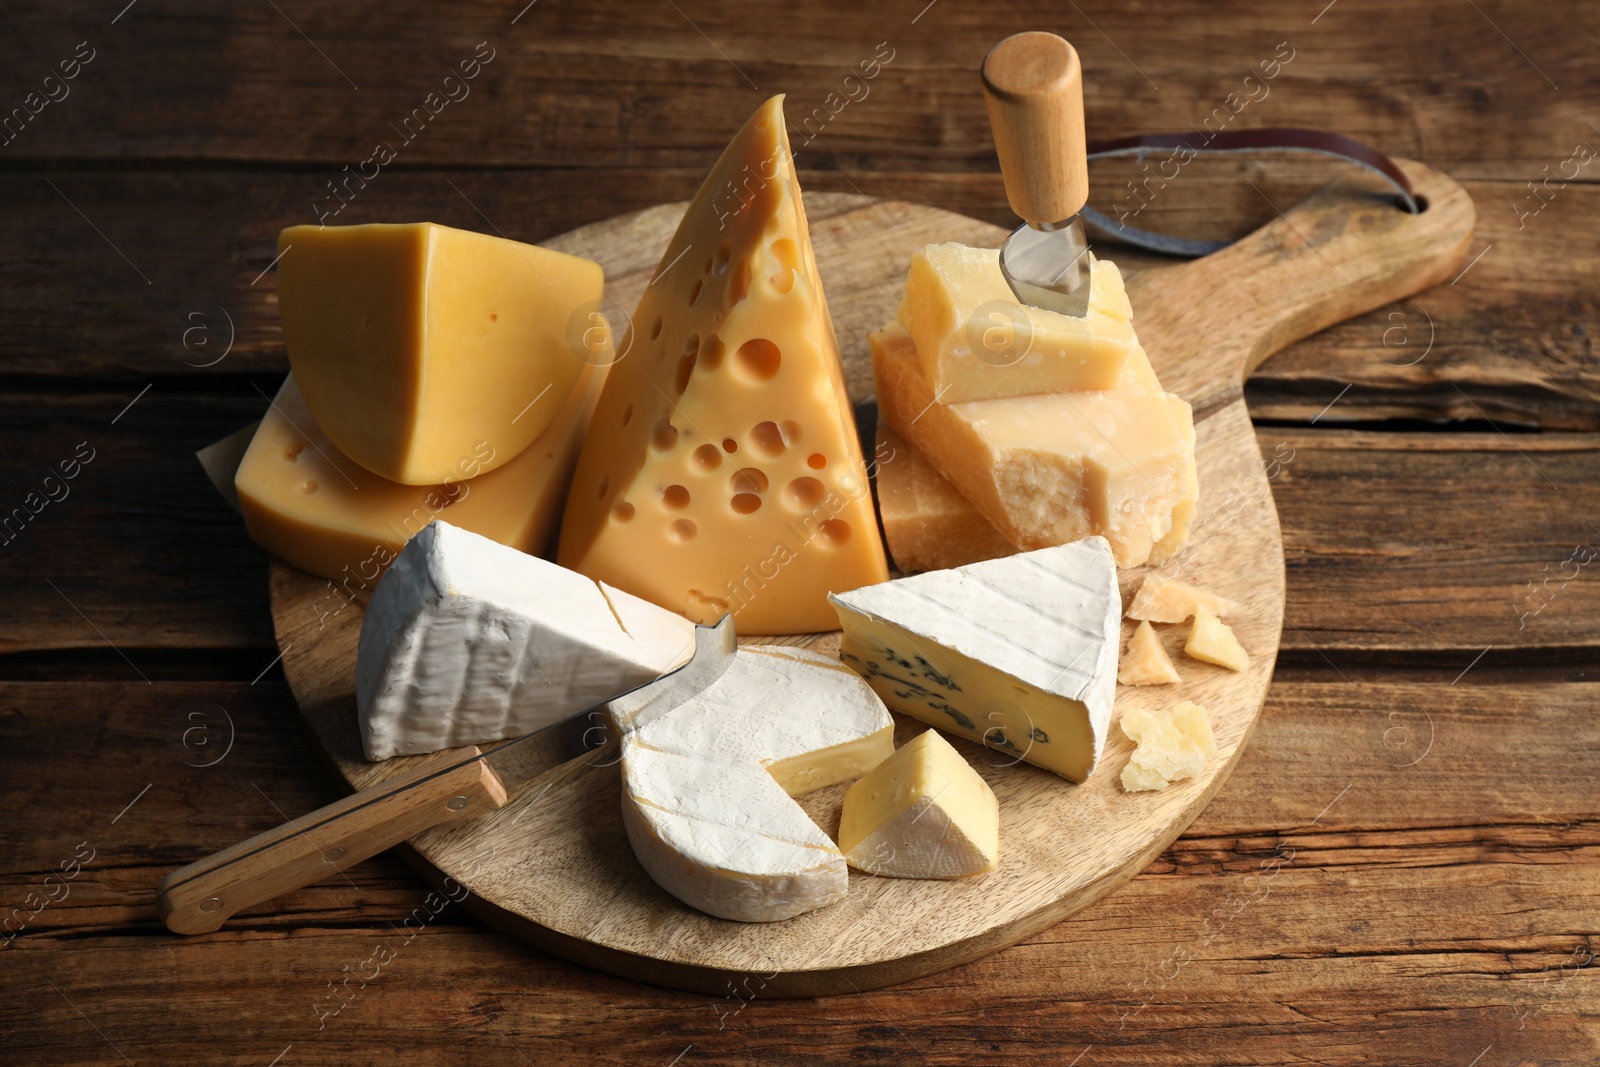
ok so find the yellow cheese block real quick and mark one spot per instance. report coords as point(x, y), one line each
point(722, 472)
point(1161, 599)
point(1050, 468)
point(413, 343)
point(928, 524)
point(976, 342)
point(1171, 745)
point(1146, 662)
point(1211, 641)
point(921, 813)
point(307, 503)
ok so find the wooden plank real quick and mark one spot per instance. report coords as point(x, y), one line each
point(1351, 896)
point(1512, 340)
point(1438, 543)
point(1382, 554)
point(1480, 91)
point(137, 550)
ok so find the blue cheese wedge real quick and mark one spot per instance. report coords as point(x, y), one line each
point(468, 641)
point(1019, 653)
point(707, 785)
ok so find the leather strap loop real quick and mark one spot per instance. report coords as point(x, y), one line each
point(1267, 138)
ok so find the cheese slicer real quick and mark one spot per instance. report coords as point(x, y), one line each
point(1033, 83)
point(446, 787)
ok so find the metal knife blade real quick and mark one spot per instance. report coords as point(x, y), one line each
point(522, 758)
point(1049, 266)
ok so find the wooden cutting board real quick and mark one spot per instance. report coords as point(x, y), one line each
point(554, 866)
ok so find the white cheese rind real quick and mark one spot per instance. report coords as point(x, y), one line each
point(1018, 653)
point(468, 641)
point(922, 813)
point(709, 821)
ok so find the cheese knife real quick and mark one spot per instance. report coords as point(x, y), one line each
point(1033, 84)
point(444, 787)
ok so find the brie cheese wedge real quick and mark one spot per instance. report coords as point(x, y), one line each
point(707, 785)
point(921, 813)
point(468, 641)
point(1018, 653)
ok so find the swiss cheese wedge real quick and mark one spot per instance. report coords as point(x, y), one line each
point(722, 471)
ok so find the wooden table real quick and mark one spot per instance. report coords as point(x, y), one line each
point(1404, 869)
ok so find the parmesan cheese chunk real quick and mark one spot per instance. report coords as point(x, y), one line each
point(1210, 641)
point(1165, 600)
point(1146, 661)
point(977, 343)
point(1171, 745)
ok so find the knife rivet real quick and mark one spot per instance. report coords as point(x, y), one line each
point(333, 855)
point(456, 803)
point(211, 904)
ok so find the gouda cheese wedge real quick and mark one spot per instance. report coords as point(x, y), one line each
point(308, 504)
point(413, 343)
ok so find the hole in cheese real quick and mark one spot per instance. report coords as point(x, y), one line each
point(624, 511)
point(711, 353)
point(707, 458)
point(680, 380)
point(655, 328)
point(749, 480)
point(605, 483)
point(724, 253)
point(745, 503)
point(681, 530)
point(816, 461)
point(694, 294)
point(675, 497)
point(308, 486)
point(804, 494)
point(493, 317)
point(787, 254)
point(834, 532)
point(292, 453)
point(665, 435)
point(739, 284)
point(627, 414)
point(768, 439)
point(729, 445)
point(759, 359)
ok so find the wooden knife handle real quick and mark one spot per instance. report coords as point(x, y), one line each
point(199, 898)
point(1034, 86)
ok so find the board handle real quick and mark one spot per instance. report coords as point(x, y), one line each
point(199, 898)
point(1033, 84)
point(1342, 252)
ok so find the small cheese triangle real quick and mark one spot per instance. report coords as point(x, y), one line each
point(1146, 661)
point(1167, 600)
point(722, 472)
point(1211, 641)
point(921, 813)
